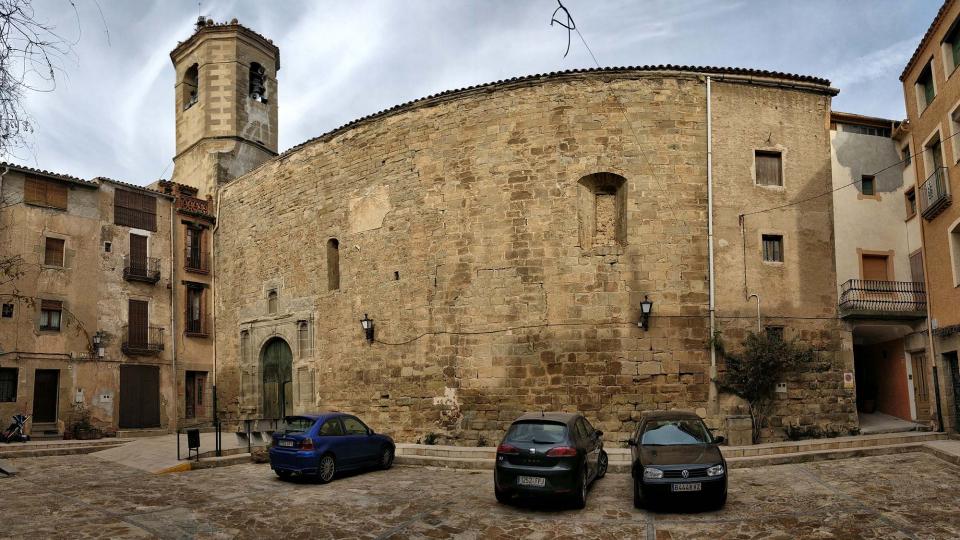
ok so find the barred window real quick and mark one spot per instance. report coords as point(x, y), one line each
point(137, 210)
point(8, 384)
point(773, 247)
point(42, 192)
point(53, 252)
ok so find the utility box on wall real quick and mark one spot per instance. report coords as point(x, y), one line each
point(739, 430)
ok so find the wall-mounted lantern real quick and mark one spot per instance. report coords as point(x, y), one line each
point(98, 343)
point(367, 324)
point(646, 307)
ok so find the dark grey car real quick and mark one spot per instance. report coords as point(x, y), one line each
point(549, 454)
point(675, 455)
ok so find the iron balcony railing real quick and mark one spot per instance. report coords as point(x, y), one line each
point(146, 269)
point(195, 260)
point(935, 194)
point(882, 298)
point(142, 340)
point(197, 327)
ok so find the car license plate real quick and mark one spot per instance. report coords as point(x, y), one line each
point(285, 443)
point(686, 487)
point(535, 481)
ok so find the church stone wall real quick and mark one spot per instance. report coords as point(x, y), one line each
point(502, 240)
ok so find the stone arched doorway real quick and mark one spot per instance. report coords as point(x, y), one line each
point(276, 363)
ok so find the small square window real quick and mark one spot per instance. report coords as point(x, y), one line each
point(53, 252)
point(107, 246)
point(769, 168)
point(7, 311)
point(911, 199)
point(50, 311)
point(868, 185)
point(773, 248)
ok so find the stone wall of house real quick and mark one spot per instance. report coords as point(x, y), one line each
point(502, 239)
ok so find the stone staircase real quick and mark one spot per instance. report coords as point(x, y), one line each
point(43, 448)
point(737, 456)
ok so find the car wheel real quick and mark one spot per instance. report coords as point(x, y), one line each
point(721, 500)
point(637, 494)
point(386, 458)
point(502, 496)
point(580, 497)
point(326, 469)
point(602, 464)
point(284, 475)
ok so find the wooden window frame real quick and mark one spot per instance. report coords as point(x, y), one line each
point(770, 237)
point(7, 311)
point(889, 255)
point(47, 252)
point(48, 307)
point(908, 196)
point(768, 152)
point(864, 179)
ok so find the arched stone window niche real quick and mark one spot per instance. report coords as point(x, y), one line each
point(602, 212)
point(190, 87)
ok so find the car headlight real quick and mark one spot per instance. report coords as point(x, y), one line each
point(652, 473)
point(716, 470)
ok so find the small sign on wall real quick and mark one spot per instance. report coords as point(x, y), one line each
point(848, 380)
point(782, 387)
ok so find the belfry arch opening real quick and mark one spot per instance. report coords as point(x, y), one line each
point(276, 366)
point(191, 86)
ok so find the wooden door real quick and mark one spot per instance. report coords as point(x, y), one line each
point(46, 386)
point(875, 268)
point(139, 396)
point(138, 321)
point(138, 255)
point(194, 389)
point(921, 385)
point(277, 364)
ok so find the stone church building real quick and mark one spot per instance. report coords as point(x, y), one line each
point(501, 239)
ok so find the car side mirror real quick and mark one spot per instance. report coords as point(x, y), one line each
point(719, 439)
point(369, 432)
point(631, 442)
point(598, 434)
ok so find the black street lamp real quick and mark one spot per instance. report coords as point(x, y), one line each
point(367, 324)
point(98, 344)
point(645, 308)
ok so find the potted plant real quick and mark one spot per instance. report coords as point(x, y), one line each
point(80, 426)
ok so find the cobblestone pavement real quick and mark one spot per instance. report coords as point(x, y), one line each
point(899, 496)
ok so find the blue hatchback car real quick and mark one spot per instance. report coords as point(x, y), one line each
point(323, 444)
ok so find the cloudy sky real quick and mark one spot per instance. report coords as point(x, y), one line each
point(111, 113)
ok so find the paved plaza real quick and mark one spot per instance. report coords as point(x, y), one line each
point(910, 495)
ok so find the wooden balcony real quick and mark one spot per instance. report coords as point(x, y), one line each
point(870, 299)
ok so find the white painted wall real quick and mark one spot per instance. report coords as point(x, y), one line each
point(867, 223)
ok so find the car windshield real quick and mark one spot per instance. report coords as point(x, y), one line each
point(677, 431)
point(537, 432)
point(296, 424)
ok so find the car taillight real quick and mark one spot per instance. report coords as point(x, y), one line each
point(508, 449)
point(562, 451)
point(307, 444)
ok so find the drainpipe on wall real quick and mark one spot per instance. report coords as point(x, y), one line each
point(213, 288)
point(173, 315)
point(714, 398)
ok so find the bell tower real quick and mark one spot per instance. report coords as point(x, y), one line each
point(225, 104)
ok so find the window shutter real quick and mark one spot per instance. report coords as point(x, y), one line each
point(916, 267)
point(137, 210)
point(34, 191)
point(44, 193)
point(768, 169)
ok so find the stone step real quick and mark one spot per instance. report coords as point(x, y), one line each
point(134, 433)
point(223, 461)
point(58, 450)
point(42, 444)
point(837, 443)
